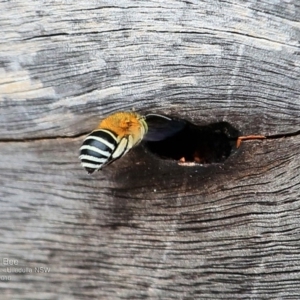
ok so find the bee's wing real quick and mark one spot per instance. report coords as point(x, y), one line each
point(161, 127)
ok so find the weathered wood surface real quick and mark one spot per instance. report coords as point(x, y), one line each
point(144, 227)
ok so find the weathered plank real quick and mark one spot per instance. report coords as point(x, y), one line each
point(64, 65)
point(145, 227)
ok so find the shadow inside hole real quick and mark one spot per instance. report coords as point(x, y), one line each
point(208, 144)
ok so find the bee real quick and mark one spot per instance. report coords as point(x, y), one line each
point(119, 133)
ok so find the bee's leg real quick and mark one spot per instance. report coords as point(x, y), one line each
point(248, 137)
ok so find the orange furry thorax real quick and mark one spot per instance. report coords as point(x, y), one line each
point(122, 123)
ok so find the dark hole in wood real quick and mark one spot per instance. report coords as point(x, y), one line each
point(212, 143)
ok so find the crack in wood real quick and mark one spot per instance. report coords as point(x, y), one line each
point(81, 135)
point(45, 138)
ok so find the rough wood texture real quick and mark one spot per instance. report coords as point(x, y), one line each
point(146, 228)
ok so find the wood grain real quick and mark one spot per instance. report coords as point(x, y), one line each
point(147, 228)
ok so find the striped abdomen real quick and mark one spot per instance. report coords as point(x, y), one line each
point(102, 147)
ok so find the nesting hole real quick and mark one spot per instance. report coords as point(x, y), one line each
point(212, 143)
